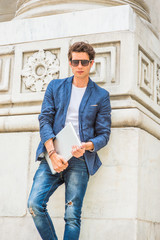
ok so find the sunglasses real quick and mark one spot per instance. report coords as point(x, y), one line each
point(84, 63)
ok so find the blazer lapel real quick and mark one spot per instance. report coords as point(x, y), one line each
point(86, 96)
point(67, 96)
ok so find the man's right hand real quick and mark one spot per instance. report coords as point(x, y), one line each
point(58, 162)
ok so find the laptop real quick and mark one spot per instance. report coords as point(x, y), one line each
point(63, 143)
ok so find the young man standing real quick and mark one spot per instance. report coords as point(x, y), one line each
point(79, 100)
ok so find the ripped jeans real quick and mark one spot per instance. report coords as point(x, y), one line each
point(75, 178)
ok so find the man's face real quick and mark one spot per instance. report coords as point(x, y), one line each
point(81, 71)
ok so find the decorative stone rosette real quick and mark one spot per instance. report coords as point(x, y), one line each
point(39, 70)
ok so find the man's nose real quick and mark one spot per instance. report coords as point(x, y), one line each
point(80, 64)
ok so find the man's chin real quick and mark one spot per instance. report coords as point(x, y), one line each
point(80, 76)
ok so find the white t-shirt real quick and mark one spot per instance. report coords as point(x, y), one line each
point(73, 108)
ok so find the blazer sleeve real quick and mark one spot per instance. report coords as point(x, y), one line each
point(46, 117)
point(102, 124)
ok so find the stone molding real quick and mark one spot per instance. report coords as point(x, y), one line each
point(120, 118)
point(6, 64)
point(36, 8)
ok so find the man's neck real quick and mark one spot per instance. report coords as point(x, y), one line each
point(79, 82)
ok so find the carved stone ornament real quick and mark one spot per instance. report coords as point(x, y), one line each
point(158, 85)
point(146, 73)
point(40, 69)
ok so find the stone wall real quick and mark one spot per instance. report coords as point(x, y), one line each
point(122, 201)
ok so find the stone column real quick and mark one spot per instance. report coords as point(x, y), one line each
point(36, 8)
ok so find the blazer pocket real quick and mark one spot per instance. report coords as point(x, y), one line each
point(93, 108)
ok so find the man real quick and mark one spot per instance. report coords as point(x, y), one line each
point(78, 100)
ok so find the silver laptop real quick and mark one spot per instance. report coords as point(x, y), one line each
point(63, 143)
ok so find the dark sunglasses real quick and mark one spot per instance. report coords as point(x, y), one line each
point(84, 63)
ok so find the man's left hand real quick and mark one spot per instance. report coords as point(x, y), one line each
point(79, 151)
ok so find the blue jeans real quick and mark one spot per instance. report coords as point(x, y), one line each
point(75, 178)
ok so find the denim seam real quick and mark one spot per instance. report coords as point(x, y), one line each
point(81, 159)
point(45, 212)
point(49, 224)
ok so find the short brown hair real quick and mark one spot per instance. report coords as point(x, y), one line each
point(81, 47)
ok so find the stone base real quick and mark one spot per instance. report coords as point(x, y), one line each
point(23, 228)
point(122, 199)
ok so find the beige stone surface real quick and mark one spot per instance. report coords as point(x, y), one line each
point(26, 30)
point(15, 152)
point(32, 164)
point(36, 8)
point(23, 228)
point(149, 178)
point(8, 10)
point(112, 193)
point(18, 228)
point(108, 229)
point(154, 8)
point(148, 230)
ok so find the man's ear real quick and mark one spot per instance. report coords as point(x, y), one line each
point(70, 63)
point(92, 63)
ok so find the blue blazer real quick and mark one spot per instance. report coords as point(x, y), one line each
point(94, 117)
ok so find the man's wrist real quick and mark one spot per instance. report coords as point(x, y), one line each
point(89, 146)
point(51, 152)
